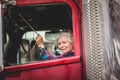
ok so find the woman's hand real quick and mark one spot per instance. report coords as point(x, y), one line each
point(39, 41)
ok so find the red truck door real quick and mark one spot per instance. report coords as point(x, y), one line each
point(69, 68)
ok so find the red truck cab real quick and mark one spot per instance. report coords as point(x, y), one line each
point(93, 23)
point(46, 17)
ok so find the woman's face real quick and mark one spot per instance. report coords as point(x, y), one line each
point(65, 45)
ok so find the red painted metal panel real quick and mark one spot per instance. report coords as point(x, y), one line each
point(41, 64)
point(61, 72)
point(25, 2)
point(79, 2)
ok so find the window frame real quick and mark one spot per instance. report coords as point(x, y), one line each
point(76, 35)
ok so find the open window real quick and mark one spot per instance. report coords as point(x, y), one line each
point(45, 19)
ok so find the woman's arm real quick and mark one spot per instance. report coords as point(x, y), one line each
point(44, 54)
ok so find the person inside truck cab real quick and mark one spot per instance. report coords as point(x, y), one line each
point(65, 45)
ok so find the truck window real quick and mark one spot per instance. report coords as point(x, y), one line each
point(20, 37)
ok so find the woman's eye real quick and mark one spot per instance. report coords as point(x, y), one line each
point(59, 43)
point(63, 42)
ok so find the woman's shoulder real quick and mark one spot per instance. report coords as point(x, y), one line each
point(67, 54)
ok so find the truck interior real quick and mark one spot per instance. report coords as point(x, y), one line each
point(21, 23)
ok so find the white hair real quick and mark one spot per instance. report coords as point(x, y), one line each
point(67, 35)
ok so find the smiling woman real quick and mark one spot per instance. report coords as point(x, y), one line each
point(65, 45)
